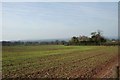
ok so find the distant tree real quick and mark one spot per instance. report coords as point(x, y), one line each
point(74, 40)
point(63, 42)
point(97, 37)
point(93, 33)
point(57, 42)
point(83, 38)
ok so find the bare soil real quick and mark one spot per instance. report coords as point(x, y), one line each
point(108, 70)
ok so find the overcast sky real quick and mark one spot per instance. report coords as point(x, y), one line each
point(50, 20)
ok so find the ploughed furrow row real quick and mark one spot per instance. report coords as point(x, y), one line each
point(93, 72)
point(79, 68)
point(55, 60)
point(106, 70)
point(109, 70)
point(77, 62)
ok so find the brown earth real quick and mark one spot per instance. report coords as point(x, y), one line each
point(108, 70)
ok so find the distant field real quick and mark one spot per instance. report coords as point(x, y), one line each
point(57, 61)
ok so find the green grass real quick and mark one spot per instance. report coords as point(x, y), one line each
point(57, 60)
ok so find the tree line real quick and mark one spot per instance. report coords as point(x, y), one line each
point(96, 38)
point(27, 43)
